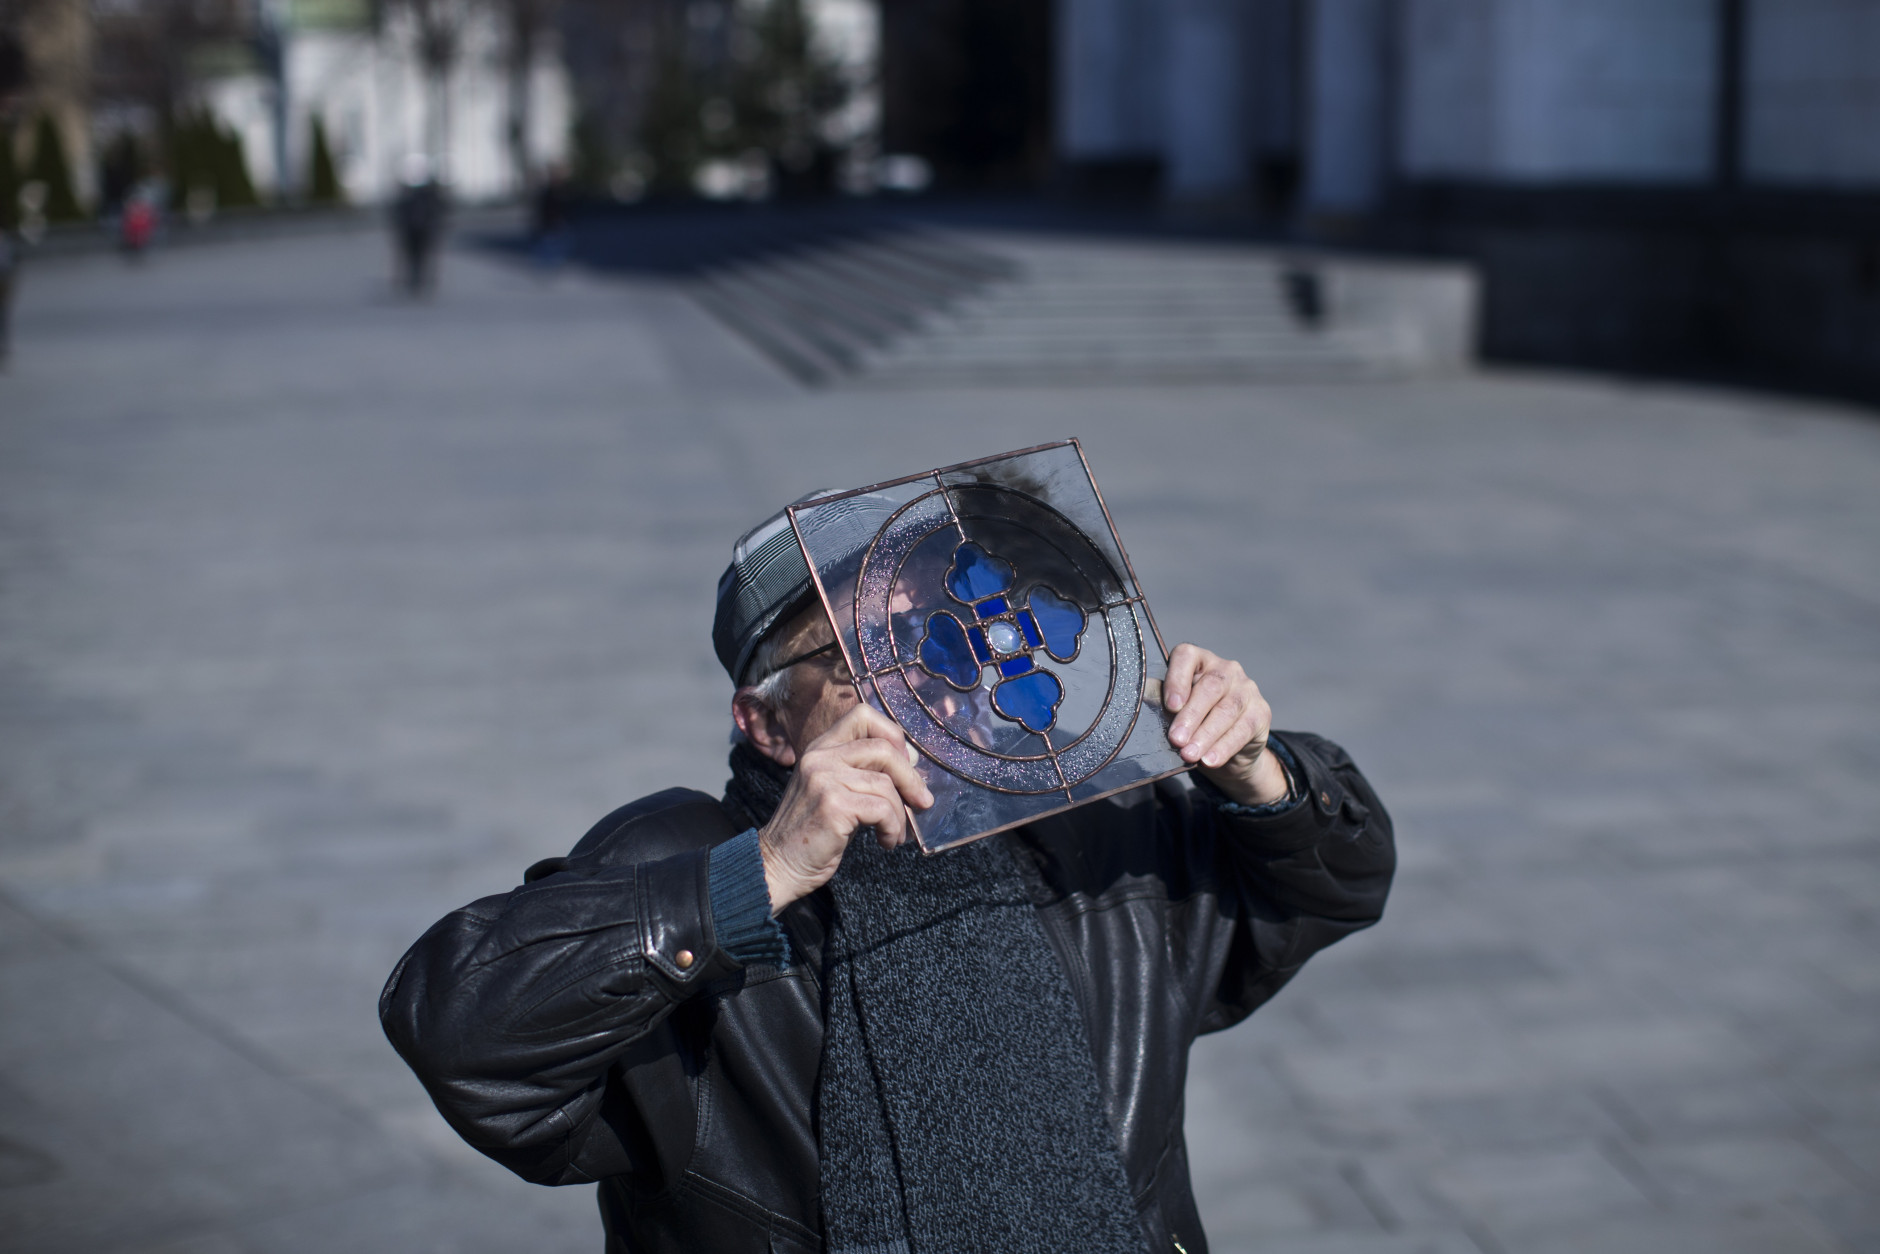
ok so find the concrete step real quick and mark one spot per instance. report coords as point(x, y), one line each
point(921, 307)
point(819, 311)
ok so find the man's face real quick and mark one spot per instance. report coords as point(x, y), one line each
point(820, 692)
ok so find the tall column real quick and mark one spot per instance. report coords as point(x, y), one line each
point(1093, 65)
point(1347, 138)
point(1727, 139)
point(1273, 75)
point(57, 39)
point(1205, 141)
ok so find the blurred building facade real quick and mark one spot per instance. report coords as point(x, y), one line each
point(393, 80)
point(1643, 183)
point(45, 72)
point(388, 81)
point(477, 87)
point(639, 94)
point(967, 86)
point(1335, 106)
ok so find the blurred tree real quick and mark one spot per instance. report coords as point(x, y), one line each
point(593, 157)
point(672, 128)
point(178, 159)
point(146, 52)
point(208, 169)
point(191, 168)
point(766, 87)
point(323, 186)
point(233, 188)
point(51, 168)
point(525, 23)
point(786, 90)
point(437, 29)
point(611, 52)
point(9, 179)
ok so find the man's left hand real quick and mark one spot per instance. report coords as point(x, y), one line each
point(1221, 725)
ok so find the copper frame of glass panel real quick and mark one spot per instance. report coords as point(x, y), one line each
point(868, 677)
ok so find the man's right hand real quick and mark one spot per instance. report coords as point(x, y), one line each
point(856, 774)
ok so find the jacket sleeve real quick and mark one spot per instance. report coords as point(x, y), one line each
point(1296, 881)
point(512, 1010)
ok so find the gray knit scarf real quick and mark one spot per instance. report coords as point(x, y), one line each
point(958, 1107)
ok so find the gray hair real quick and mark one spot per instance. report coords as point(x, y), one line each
point(771, 688)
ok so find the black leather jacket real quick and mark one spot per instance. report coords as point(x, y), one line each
point(586, 1027)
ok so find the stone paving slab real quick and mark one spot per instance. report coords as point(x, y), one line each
point(321, 614)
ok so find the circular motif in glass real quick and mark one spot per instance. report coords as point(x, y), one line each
point(1000, 638)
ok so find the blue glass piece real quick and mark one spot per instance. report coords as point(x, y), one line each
point(1061, 622)
point(944, 651)
point(978, 637)
point(977, 574)
point(1030, 699)
point(1015, 665)
point(1030, 628)
point(1003, 637)
point(992, 608)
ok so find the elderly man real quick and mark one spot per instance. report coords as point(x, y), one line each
point(763, 1023)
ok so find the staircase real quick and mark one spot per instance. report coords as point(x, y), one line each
point(916, 308)
point(824, 311)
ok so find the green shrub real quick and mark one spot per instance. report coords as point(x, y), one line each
point(51, 167)
point(672, 134)
point(192, 165)
point(233, 188)
point(774, 94)
point(323, 186)
point(206, 156)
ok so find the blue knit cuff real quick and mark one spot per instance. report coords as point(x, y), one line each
point(741, 904)
point(1294, 793)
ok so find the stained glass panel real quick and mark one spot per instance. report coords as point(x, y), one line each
point(990, 610)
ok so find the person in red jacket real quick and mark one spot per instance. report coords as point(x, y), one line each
point(138, 223)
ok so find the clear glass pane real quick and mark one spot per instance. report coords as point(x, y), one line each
point(1018, 552)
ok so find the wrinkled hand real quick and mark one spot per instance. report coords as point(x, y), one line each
point(856, 774)
point(1221, 725)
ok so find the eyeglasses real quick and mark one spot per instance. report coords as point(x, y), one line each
point(804, 657)
point(842, 675)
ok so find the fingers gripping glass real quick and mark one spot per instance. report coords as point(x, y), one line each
point(988, 608)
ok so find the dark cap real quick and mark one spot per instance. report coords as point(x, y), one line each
point(766, 584)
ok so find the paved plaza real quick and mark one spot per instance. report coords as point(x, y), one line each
point(322, 613)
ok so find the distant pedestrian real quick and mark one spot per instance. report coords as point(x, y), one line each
point(418, 225)
point(548, 229)
point(9, 272)
point(137, 225)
